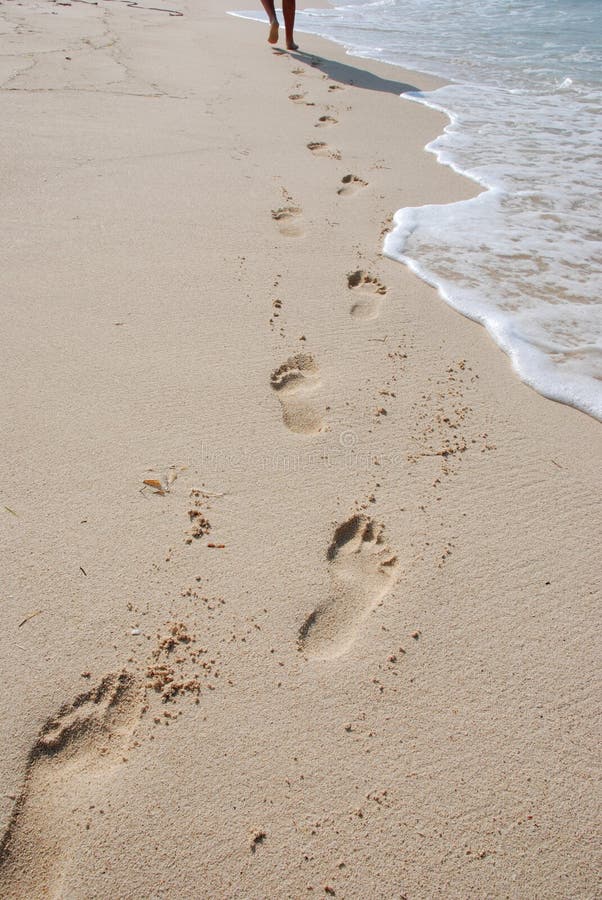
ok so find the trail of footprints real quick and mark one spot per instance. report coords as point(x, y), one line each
point(90, 737)
point(361, 566)
point(350, 184)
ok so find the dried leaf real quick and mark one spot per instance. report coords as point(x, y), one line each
point(152, 482)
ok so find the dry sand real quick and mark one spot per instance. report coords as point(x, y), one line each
point(233, 681)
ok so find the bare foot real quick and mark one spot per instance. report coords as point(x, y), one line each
point(290, 45)
point(273, 35)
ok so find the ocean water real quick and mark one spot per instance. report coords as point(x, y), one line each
point(524, 258)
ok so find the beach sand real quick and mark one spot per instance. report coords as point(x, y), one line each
point(300, 582)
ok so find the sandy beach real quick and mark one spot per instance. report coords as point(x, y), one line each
point(300, 582)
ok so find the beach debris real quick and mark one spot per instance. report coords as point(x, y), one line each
point(135, 631)
point(257, 838)
point(154, 483)
point(30, 616)
point(217, 546)
point(83, 571)
point(11, 511)
point(161, 486)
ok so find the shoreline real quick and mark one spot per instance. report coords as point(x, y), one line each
point(300, 579)
point(529, 362)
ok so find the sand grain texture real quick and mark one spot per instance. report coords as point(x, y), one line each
point(205, 423)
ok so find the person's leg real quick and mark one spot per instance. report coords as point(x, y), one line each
point(268, 5)
point(288, 8)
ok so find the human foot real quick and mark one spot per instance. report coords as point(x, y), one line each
point(273, 35)
point(290, 45)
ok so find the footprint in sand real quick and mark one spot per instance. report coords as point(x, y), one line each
point(368, 307)
point(351, 185)
point(85, 741)
point(325, 121)
point(288, 220)
point(319, 148)
point(335, 87)
point(295, 383)
point(300, 98)
point(362, 569)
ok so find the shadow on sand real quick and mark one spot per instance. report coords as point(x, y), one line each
point(351, 75)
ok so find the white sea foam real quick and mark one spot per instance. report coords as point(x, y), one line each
point(524, 257)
